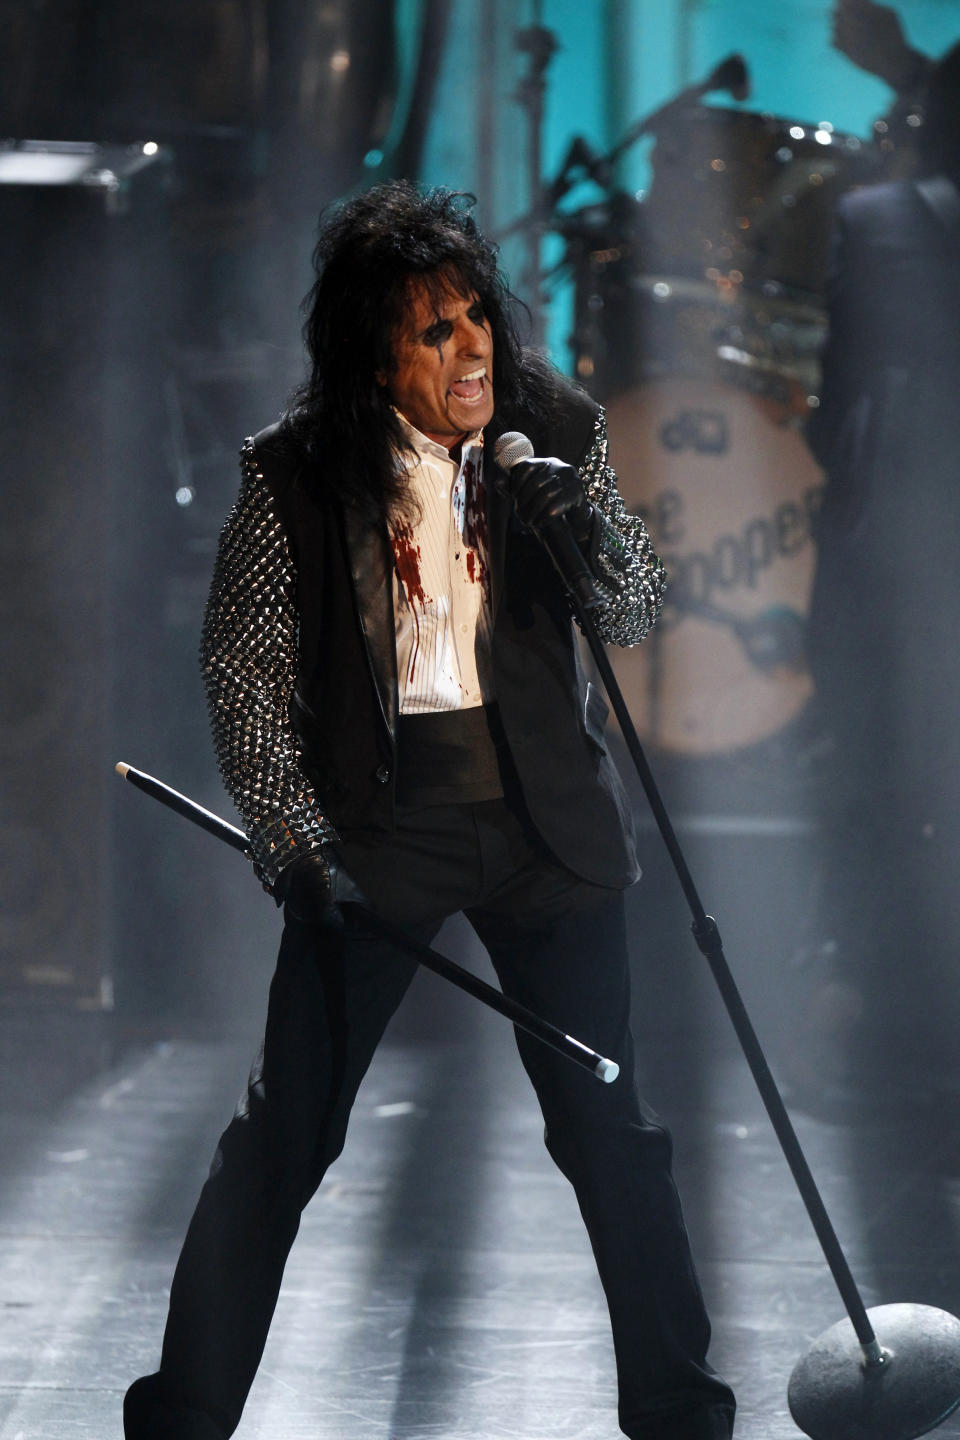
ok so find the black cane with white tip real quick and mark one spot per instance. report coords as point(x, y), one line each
point(535, 1025)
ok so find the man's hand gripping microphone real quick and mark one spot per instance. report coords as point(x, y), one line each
point(547, 496)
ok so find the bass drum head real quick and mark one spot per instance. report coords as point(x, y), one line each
point(728, 490)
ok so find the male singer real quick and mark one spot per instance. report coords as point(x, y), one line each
point(398, 709)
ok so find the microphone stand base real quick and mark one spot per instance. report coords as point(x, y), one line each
point(836, 1393)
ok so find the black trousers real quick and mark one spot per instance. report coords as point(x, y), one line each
point(558, 945)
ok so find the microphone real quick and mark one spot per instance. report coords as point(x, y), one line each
point(512, 450)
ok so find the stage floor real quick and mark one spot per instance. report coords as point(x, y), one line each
point(442, 1285)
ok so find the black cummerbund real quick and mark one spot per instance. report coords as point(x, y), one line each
point(449, 757)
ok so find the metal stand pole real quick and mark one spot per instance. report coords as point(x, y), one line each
point(849, 1386)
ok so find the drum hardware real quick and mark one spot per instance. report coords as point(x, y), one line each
point(581, 160)
point(770, 380)
point(629, 328)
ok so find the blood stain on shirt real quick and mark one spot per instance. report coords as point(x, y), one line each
point(475, 531)
point(406, 561)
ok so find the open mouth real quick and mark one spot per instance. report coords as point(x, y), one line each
point(470, 387)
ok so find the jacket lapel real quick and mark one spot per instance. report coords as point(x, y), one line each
point(368, 555)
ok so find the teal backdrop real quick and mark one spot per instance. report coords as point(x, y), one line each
point(616, 61)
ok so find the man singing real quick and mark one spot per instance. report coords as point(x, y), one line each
point(399, 712)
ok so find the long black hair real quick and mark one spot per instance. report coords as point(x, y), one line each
point(370, 250)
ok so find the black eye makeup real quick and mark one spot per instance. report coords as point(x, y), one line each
point(437, 333)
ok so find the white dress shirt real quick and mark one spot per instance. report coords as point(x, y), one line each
point(442, 579)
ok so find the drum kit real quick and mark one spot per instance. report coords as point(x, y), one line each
point(699, 315)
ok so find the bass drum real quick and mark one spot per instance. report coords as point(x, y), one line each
point(729, 490)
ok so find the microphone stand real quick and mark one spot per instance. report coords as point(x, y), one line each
point(848, 1386)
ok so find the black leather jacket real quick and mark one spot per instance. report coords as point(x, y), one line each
point(300, 665)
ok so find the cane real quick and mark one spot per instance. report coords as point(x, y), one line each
point(533, 1024)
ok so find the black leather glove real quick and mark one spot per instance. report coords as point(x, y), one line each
point(311, 888)
point(546, 489)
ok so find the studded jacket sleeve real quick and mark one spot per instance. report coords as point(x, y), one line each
point(249, 658)
point(630, 575)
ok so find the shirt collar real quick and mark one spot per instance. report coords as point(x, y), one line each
point(425, 446)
